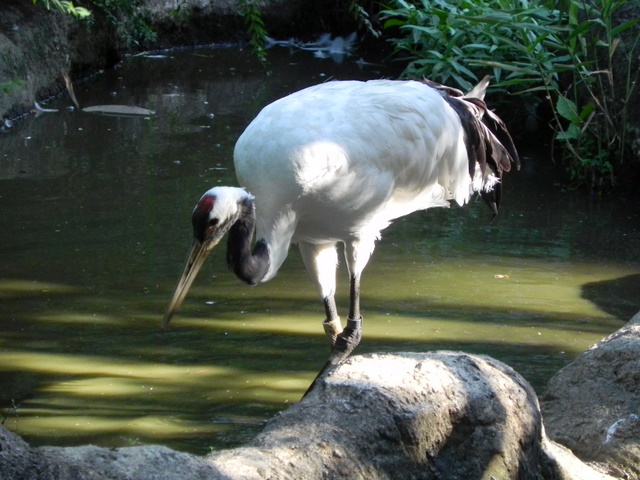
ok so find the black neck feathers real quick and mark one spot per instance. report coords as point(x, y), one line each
point(249, 265)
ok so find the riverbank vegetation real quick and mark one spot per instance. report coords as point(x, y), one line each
point(126, 17)
point(560, 53)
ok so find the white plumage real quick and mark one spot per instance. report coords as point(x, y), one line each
point(338, 162)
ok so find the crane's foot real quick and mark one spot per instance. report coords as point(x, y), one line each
point(346, 342)
point(332, 328)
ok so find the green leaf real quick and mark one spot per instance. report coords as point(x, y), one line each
point(625, 26)
point(504, 66)
point(587, 110)
point(393, 22)
point(571, 133)
point(568, 109)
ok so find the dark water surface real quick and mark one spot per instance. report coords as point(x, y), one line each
point(95, 225)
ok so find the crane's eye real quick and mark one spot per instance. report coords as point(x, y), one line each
point(213, 222)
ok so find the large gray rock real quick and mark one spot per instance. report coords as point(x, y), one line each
point(18, 461)
point(441, 415)
point(593, 405)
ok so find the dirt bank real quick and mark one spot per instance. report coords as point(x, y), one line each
point(37, 45)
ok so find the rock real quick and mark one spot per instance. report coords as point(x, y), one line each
point(592, 406)
point(31, 71)
point(17, 459)
point(130, 463)
point(440, 415)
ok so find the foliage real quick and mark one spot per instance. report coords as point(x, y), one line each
point(441, 35)
point(183, 11)
point(8, 87)
point(361, 10)
point(66, 7)
point(126, 17)
point(255, 27)
point(594, 112)
point(531, 47)
point(13, 410)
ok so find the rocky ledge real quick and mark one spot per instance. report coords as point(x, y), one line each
point(593, 404)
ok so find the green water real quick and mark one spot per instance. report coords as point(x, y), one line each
point(95, 225)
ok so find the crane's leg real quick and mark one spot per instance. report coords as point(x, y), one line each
point(332, 325)
point(350, 337)
point(321, 261)
point(357, 254)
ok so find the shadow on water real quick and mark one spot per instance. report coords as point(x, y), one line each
point(95, 226)
point(619, 297)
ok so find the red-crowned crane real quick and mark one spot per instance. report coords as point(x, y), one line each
point(336, 163)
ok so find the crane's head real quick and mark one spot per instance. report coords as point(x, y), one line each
point(215, 213)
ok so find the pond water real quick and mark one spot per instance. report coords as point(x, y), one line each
point(95, 225)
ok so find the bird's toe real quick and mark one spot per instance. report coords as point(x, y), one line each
point(332, 328)
point(347, 341)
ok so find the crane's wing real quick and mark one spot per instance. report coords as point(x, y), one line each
point(368, 152)
point(489, 144)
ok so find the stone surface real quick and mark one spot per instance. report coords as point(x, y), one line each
point(32, 51)
point(440, 413)
point(593, 405)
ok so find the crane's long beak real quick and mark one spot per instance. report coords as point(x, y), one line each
point(198, 254)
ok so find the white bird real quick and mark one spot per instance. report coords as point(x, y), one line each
point(336, 163)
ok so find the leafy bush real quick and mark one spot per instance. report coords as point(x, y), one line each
point(128, 20)
point(255, 28)
point(66, 7)
point(445, 39)
point(125, 16)
point(531, 47)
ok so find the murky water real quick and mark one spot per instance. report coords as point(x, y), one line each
point(95, 225)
